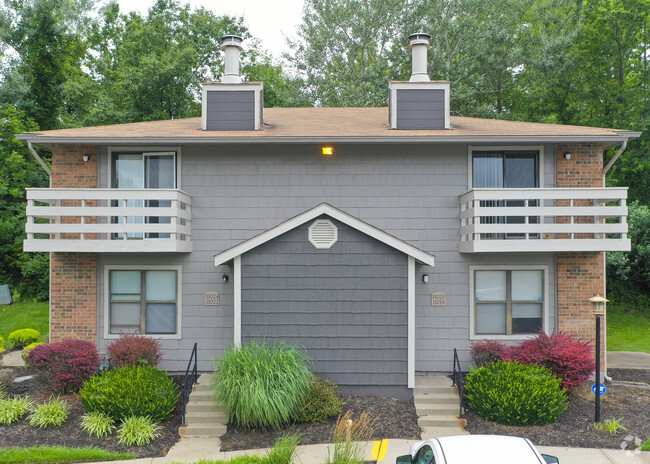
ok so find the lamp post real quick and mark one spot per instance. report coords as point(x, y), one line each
point(598, 303)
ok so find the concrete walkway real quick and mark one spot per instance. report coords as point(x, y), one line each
point(628, 360)
point(189, 450)
point(13, 359)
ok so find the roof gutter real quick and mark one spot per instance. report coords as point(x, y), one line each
point(613, 160)
point(30, 147)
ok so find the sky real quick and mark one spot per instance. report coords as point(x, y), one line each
point(267, 20)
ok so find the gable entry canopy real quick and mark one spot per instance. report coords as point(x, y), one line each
point(414, 254)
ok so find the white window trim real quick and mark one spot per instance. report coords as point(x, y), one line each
point(179, 299)
point(150, 150)
point(472, 315)
point(472, 148)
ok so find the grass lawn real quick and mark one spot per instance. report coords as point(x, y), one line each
point(25, 315)
point(58, 455)
point(628, 332)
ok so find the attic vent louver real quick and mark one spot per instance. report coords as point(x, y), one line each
point(323, 234)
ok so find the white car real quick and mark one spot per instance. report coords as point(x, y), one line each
point(470, 449)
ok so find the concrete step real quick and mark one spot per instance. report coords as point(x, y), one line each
point(202, 395)
point(441, 421)
point(446, 398)
point(430, 432)
point(418, 390)
point(438, 410)
point(201, 406)
point(432, 381)
point(206, 417)
point(202, 430)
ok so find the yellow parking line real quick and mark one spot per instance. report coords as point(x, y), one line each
point(379, 450)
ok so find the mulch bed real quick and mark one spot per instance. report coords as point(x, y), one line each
point(575, 428)
point(392, 419)
point(70, 433)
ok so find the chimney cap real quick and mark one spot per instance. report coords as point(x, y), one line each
point(419, 38)
point(231, 41)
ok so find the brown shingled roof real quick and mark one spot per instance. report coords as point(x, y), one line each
point(334, 123)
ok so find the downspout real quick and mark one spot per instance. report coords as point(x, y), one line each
point(30, 147)
point(609, 165)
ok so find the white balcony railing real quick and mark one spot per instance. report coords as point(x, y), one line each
point(108, 220)
point(545, 219)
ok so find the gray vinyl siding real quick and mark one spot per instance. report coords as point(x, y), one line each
point(420, 109)
point(409, 191)
point(230, 110)
point(346, 305)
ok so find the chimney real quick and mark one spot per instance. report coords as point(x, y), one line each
point(419, 45)
point(419, 103)
point(232, 104)
point(231, 46)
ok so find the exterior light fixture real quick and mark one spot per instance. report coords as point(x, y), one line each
point(86, 158)
point(225, 278)
point(598, 311)
point(567, 156)
point(328, 151)
point(425, 278)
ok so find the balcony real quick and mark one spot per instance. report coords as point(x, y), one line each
point(543, 220)
point(108, 220)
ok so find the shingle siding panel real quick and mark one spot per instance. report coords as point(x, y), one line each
point(420, 109)
point(230, 110)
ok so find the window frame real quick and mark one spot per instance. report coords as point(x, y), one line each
point(501, 148)
point(107, 299)
point(151, 151)
point(472, 301)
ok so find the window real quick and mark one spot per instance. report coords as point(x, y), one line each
point(150, 170)
point(508, 302)
point(424, 456)
point(506, 169)
point(143, 301)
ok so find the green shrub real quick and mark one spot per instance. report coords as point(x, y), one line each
point(2, 344)
point(97, 424)
point(13, 409)
point(322, 401)
point(51, 413)
point(262, 385)
point(23, 337)
point(137, 431)
point(130, 391)
point(515, 394)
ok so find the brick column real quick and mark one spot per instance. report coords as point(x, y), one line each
point(580, 275)
point(73, 276)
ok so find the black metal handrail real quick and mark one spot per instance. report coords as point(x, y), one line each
point(187, 386)
point(458, 380)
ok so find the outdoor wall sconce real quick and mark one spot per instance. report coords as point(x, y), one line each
point(328, 151)
point(86, 158)
point(225, 278)
point(425, 278)
point(567, 156)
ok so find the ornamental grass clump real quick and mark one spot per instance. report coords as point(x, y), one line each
point(515, 394)
point(97, 424)
point(349, 439)
point(137, 431)
point(11, 410)
point(261, 385)
point(22, 337)
point(51, 413)
point(130, 391)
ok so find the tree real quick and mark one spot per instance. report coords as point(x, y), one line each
point(26, 273)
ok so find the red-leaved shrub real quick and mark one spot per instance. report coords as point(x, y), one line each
point(571, 360)
point(487, 351)
point(65, 365)
point(133, 349)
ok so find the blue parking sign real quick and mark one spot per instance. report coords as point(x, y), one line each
point(602, 389)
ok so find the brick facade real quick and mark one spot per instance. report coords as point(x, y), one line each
point(73, 276)
point(580, 275)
